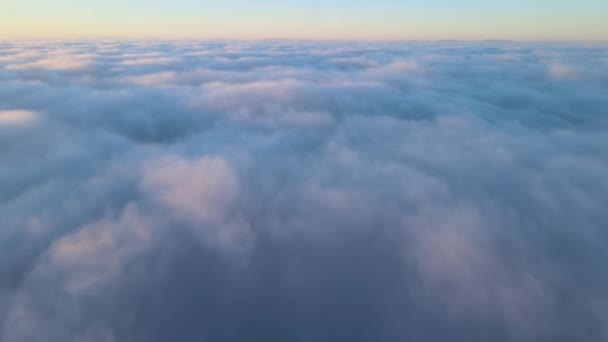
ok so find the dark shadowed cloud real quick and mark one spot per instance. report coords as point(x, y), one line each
point(303, 191)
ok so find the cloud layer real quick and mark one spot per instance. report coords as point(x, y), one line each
point(303, 191)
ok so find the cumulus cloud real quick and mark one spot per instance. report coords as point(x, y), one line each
point(12, 117)
point(561, 71)
point(209, 197)
point(57, 63)
point(303, 190)
point(149, 60)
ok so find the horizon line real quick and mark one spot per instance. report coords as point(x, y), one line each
point(369, 40)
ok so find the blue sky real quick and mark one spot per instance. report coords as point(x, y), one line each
point(330, 19)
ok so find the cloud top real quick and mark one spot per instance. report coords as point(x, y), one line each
point(16, 116)
point(303, 190)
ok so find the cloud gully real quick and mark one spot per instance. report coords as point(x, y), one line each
point(303, 191)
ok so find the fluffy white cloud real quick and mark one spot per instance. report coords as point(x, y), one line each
point(15, 117)
point(205, 192)
point(59, 62)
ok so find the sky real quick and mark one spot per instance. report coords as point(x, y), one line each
point(315, 19)
point(395, 171)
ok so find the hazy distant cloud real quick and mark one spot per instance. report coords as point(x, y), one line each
point(564, 72)
point(301, 190)
point(150, 60)
point(15, 117)
point(154, 79)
